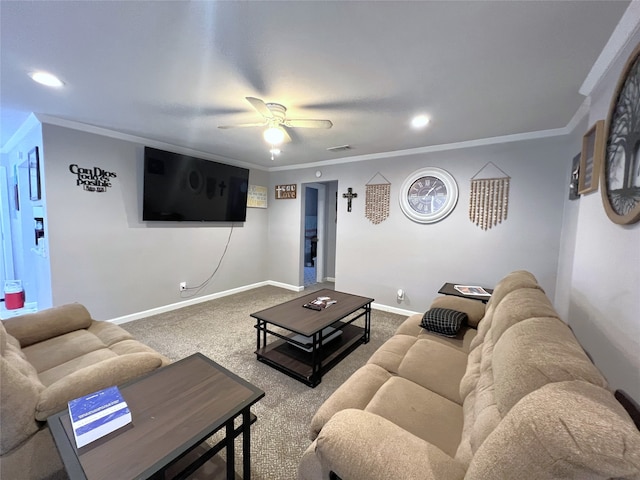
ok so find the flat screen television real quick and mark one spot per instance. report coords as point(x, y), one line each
point(181, 188)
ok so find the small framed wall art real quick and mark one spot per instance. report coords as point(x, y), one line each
point(287, 192)
point(591, 158)
point(34, 174)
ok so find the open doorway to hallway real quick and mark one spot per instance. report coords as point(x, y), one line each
point(318, 232)
point(24, 266)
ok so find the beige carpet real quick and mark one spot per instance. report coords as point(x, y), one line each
point(223, 330)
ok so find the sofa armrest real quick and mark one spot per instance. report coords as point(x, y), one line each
point(109, 372)
point(360, 445)
point(52, 322)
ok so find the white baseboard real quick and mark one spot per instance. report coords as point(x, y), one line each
point(387, 308)
point(196, 300)
point(213, 296)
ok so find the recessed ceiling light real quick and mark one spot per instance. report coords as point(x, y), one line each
point(419, 121)
point(47, 79)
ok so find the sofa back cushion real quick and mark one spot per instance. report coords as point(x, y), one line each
point(520, 305)
point(516, 299)
point(563, 430)
point(513, 281)
point(533, 353)
point(36, 327)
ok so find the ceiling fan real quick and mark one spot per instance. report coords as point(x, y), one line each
point(275, 117)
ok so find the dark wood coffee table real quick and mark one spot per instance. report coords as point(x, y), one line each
point(174, 410)
point(304, 348)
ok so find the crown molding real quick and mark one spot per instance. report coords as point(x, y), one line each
point(29, 124)
point(518, 137)
point(620, 38)
point(105, 132)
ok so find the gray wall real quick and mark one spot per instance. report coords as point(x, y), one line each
point(601, 269)
point(376, 260)
point(104, 256)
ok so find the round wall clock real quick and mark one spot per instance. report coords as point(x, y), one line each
point(620, 182)
point(428, 195)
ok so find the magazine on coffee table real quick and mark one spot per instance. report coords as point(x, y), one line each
point(320, 303)
point(472, 290)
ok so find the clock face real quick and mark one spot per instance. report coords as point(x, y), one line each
point(428, 195)
point(621, 176)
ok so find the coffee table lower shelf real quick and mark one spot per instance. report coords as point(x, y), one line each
point(298, 363)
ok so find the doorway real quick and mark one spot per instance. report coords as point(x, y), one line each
point(318, 233)
point(6, 259)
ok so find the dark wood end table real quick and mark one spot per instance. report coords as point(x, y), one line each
point(174, 410)
point(308, 360)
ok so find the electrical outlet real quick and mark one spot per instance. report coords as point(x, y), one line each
point(183, 286)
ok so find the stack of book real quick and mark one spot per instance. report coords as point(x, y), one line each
point(320, 303)
point(98, 414)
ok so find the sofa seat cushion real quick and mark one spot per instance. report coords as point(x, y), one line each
point(419, 411)
point(58, 350)
point(360, 445)
point(58, 372)
point(426, 362)
point(462, 341)
point(126, 347)
point(563, 430)
point(356, 392)
point(115, 370)
point(109, 333)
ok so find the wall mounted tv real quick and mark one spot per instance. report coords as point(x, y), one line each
point(180, 188)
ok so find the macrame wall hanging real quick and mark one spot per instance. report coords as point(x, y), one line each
point(489, 199)
point(378, 195)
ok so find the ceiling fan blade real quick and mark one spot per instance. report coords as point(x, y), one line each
point(308, 123)
point(287, 137)
point(260, 106)
point(243, 125)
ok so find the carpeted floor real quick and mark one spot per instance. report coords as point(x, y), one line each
point(223, 330)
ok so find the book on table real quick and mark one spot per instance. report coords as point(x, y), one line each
point(472, 290)
point(97, 414)
point(320, 303)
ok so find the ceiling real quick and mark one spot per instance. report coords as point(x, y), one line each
point(174, 71)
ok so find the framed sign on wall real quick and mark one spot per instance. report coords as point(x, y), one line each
point(286, 192)
point(34, 174)
point(591, 158)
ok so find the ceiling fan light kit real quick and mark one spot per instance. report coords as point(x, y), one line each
point(274, 135)
point(275, 117)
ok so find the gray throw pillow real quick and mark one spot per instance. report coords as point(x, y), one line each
point(443, 321)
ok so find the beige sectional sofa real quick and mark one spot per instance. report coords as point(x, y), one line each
point(516, 398)
point(47, 359)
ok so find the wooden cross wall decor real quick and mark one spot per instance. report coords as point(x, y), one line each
point(349, 196)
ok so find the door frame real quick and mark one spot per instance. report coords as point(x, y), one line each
point(321, 231)
point(7, 271)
